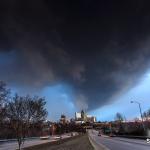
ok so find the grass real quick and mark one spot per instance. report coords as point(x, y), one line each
point(79, 143)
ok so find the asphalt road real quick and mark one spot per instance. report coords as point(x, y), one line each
point(116, 143)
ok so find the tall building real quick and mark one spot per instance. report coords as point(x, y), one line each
point(63, 119)
point(83, 117)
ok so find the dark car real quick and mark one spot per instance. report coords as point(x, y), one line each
point(111, 135)
point(99, 133)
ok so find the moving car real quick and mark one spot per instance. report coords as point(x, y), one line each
point(44, 137)
point(111, 135)
point(99, 133)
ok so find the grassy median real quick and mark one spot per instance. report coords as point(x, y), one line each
point(78, 143)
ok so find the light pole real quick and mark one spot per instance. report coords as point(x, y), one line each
point(140, 112)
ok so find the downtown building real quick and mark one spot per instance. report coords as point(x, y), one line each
point(82, 117)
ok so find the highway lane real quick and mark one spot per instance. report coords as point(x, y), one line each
point(116, 143)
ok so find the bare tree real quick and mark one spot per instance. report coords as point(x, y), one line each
point(119, 117)
point(146, 115)
point(136, 119)
point(22, 112)
point(4, 96)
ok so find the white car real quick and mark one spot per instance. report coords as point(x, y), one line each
point(44, 137)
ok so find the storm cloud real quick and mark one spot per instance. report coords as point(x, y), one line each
point(99, 48)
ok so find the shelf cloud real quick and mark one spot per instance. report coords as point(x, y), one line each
point(101, 51)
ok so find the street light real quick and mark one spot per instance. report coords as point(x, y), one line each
point(140, 112)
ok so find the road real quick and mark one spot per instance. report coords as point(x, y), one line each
point(13, 145)
point(116, 143)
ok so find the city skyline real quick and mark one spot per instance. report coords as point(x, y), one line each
point(140, 92)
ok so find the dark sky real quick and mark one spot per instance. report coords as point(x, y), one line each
point(99, 48)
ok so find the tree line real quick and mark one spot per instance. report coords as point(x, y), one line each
point(135, 127)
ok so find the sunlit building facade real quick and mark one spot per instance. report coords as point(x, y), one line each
point(83, 118)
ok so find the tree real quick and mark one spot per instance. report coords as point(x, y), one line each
point(39, 112)
point(146, 114)
point(23, 111)
point(4, 96)
point(119, 117)
point(136, 119)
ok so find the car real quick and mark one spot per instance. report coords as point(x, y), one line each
point(99, 133)
point(111, 135)
point(44, 137)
